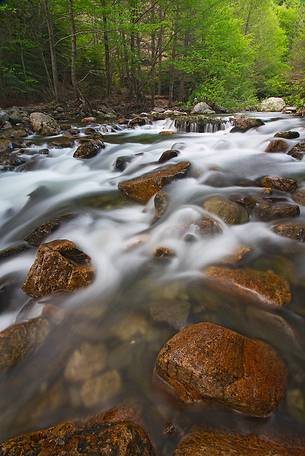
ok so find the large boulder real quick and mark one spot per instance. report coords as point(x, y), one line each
point(94, 436)
point(21, 339)
point(273, 104)
point(277, 145)
point(43, 124)
point(59, 267)
point(230, 212)
point(202, 108)
point(264, 286)
point(88, 149)
point(294, 231)
point(142, 188)
point(206, 361)
point(243, 123)
point(219, 443)
point(284, 184)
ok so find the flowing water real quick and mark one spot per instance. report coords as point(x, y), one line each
point(120, 311)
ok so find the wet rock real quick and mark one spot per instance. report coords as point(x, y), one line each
point(273, 104)
point(296, 404)
point(295, 231)
point(62, 143)
point(161, 202)
point(138, 121)
point(266, 211)
point(122, 162)
point(219, 443)
point(39, 234)
point(284, 184)
point(297, 151)
point(88, 149)
point(4, 117)
point(93, 436)
point(277, 145)
point(88, 120)
point(244, 123)
point(166, 133)
point(247, 201)
point(238, 256)
point(142, 188)
point(101, 389)
point(59, 267)
point(287, 134)
point(264, 286)
point(206, 361)
point(202, 108)
point(21, 339)
point(103, 201)
point(85, 362)
point(168, 155)
point(44, 124)
point(207, 226)
point(164, 252)
point(299, 196)
point(131, 326)
point(229, 211)
point(173, 312)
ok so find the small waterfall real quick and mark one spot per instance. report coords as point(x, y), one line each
point(199, 124)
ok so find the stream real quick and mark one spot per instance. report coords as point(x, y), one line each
point(137, 301)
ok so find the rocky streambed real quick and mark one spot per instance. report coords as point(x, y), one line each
point(152, 286)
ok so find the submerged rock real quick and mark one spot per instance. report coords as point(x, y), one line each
point(219, 443)
point(206, 361)
point(277, 145)
point(244, 123)
point(161, 202)
point(297, 151)
point(284, 184)
point(142, 188)
point(295, 231)
point(265, 210)
point(39, 234)
point(287, 134)
point(59, 267)
point(229, 211)
point(168, 155)
point(265, 286)
point(101, 389)
point(85, 362)
point(122, 162)
point(21, 339)
point(44, 124)
point(94, 436)
point(88, 149)
point(273, 104)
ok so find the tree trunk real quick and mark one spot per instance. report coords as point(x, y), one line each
point(107, 50)
point(52, 49)
point(73, 48)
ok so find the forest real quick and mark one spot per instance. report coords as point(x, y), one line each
point(230, 52)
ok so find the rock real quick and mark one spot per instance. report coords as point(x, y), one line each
point(205, 361)
point(88, 120)
point(130, 327)
point(289, 110)
point(44, 124)
point(173, 312)
point(299, 196)
point(138, 121)
point(4, 117)
point(59, 267)
point(277, 145)
point(284, 184)
point(267, 211)
point(295, 231)
point(142, 188)
point(207, 226)
point(296, 404)
point(85, 362)
point(238, 256)
point(287, 134)
point(164, 252)
point(229, 211)
point(62, 143)
point(218, 443)
point(101, 389)
point(88, 149)
point(298, 151)
point(122, 162)
point(21, 339)
point(93, 436)
point(244, 123)
point(168, 155)
point(202, 108)
point(264, 286)
point(161, 202)
point(273, 104)
point(39, 234)
point(166, 132)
